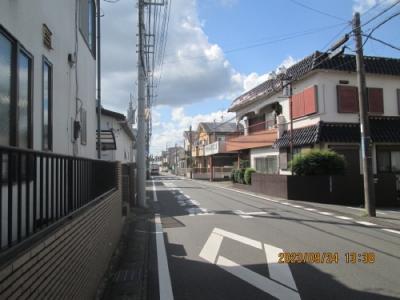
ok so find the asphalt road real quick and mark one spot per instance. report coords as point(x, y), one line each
point(213, 243)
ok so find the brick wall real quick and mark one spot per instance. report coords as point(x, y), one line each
point(70, 262)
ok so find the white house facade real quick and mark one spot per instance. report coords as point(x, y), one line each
point(48, 76)
point(118, 140)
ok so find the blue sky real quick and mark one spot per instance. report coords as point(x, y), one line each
point(217, 49)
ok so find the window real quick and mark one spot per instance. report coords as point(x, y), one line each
point(47, 103)
point(83, 127)
point(388, 161)
point(15, 93)
point(267, 165)
point(347, 99)
point(5, 89)
point(375, 100)
point(305, 102)
point(87, 23)
point(24, 96)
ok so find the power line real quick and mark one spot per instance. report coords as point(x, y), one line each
point(383, 42)
point(316, 10)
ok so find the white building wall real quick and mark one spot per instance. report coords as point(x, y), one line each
point(326, 82)
point(124, 143)
point(24, 20)
point(261, 152)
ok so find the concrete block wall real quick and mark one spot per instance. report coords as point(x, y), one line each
point(70, 262)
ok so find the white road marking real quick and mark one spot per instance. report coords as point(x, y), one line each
point(239, 238)
point(282, 285)
point(366, 223)
point(277, 271)
point(325, 213)
point(391, 230)
point(164, 279)
point(310, 209)
point(298, 206)
point(211, 247)
point(154, 192)
point(256, 213)
point(263, 283)
point(242, 214)
point(343, 217)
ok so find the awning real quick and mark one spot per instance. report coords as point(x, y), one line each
point(107, 140)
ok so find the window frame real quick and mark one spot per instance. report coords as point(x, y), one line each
point(92, 50)
point(47, 62)
point(16, 49)
point(389, 150)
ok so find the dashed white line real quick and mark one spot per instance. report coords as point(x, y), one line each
point(154, 192)
point(242, 214)
point(325, 213)
point(391, 230)
point(365, 223)
point(343, 218)
point(310, 209)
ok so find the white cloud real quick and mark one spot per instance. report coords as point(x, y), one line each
point(363, 5)
point(194, 69)
point(253, 79)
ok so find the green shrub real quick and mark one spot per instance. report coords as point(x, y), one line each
point(247, 175)
point(318, 162)
point(239, 175)
point(232, 176)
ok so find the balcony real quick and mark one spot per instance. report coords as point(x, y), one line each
point(258, 139)
point(198, 151)
point(215, 148)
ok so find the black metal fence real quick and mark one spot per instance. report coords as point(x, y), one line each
point(39, 188)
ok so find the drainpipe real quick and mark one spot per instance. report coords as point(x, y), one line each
point(98, 57)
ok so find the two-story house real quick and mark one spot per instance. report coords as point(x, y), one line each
point(209, 149)
point(324, 113)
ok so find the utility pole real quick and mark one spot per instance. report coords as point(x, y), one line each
point(98, 80)
point(141, 139)
point(190, 152)
point(366, 143)
point(176, 159)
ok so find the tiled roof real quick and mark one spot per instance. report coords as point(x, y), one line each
point(301, 137)
point(383, 130)
point(319, 61)
point(222, 127)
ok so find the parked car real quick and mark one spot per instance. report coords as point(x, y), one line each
point(154, 169)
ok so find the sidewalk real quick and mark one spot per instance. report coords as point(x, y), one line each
point(386, 217)
point(127, 277)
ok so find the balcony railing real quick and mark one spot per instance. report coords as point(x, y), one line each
point(257, 135)
point(40, 188)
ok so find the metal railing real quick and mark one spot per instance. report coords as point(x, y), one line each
point(40, 188)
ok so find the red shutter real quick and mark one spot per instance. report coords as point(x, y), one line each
point(375, 100)
point(347, 99)
point(297, 105)
point(310, 100)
